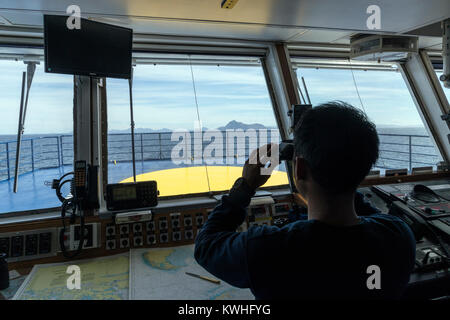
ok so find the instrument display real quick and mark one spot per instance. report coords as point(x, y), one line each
point(134, 195)
point(124, 193)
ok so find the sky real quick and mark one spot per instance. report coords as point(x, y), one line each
point(50, 102)
point(164, 97)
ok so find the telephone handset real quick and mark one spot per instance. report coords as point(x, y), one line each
point(84, 190)
point(80, 180)
point(85, 185)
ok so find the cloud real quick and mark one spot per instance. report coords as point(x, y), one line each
point(163, 96)
point(385, 96)
point(50, 102)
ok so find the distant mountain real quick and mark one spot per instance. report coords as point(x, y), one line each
point(140, 130)
point(233, 125)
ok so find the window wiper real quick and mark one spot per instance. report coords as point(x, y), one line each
point(130, 86)
point(29, 74)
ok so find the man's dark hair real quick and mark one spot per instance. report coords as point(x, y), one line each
point(339, 143)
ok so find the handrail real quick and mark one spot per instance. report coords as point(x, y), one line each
point(55, 150)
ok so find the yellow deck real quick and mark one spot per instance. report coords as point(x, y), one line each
point(194, 179)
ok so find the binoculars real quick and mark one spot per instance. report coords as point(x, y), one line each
point(286, 149)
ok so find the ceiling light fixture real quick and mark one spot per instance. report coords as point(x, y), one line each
point(228, 4)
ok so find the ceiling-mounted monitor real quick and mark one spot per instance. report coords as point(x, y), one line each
point(96, 49)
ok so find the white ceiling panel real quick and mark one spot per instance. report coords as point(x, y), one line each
point(396, 16)
point(205, 29)
point(306, 21)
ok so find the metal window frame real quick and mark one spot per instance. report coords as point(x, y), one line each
point(36, 212)
point(282, 86)
point(244, 57)
point(326, 63)
point(428, 95)
point(276, 59)
point(168, 50)
point(423, 68)
point(18, 43)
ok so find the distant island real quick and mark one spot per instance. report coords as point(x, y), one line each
point(232, 125)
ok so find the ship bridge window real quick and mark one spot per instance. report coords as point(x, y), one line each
point(47, 144)
point(194, 126)
point(382, 93)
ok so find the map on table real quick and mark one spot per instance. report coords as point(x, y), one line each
point(104, 278)
point(14, 285)
point(160, 273)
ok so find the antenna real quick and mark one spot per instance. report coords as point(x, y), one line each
point(29, 74)
point(198, 118)
point(130, 85)
point(302, 98)
point(306, 90)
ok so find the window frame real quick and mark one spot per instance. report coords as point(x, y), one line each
point(202, 60)
point(344, 64)
point(147, 47)
point(40, 211)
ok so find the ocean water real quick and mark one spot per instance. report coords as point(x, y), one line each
point(400, 147)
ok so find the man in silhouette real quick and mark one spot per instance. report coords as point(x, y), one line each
point(346, 249)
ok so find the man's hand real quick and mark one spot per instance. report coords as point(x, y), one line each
point(252, 168)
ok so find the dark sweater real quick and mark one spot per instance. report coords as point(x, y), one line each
point(307, 259)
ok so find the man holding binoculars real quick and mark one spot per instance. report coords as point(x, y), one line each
point(346, 249)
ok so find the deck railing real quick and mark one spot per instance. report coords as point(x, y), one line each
point(396, 150)
point(400, 151)
point(36, 153)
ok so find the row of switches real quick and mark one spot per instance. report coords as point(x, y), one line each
point(28, 245)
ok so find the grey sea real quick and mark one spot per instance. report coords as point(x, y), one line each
point(400, 147)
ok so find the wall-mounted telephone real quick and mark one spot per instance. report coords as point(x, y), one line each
point(85, 189)
point(83, 196)
point(80, 180)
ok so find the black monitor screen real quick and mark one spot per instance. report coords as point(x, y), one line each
point(96, 49)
